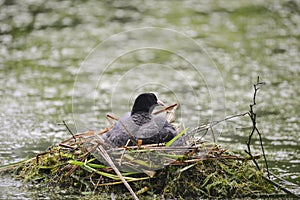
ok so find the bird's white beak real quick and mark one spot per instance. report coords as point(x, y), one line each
point(160, 103)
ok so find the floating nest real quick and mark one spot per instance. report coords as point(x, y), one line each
point(200, 170)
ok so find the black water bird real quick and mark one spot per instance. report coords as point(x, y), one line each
point(140, 124)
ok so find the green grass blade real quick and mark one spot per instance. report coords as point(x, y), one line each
point(171, 155)
point(120, 182)
point(176, 137)
point(91, 169)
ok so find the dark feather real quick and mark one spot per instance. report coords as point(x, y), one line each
point(141, 125)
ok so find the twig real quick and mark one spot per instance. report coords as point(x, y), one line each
point(213, 158)
point(111, 163)
point(110, 117)
point(81, 135)
point(213, 134)
point(64, 123)
point(82, 159)
point(96, 185)
point(252, 116)
point(213, 123)
point(67, 146)
point(231, 117)
point(263, 151)
point(43, 153)
point(281, 187)
point(165, 109)
point(11, 166)
point(170, 116)
point(120, 163)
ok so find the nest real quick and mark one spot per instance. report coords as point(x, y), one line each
point(83, 165)
point(202, 170)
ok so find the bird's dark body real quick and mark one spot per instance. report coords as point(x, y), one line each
point(140, 124)
point(150, 129)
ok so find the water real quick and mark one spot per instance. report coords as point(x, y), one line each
point(44, 45)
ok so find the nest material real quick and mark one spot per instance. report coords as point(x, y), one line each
point(203, 170)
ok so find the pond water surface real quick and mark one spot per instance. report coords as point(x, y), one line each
point(205, 56)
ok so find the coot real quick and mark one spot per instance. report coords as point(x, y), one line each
point(140, 124)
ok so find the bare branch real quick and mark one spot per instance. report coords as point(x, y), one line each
point(64, 123)
point(252, 116)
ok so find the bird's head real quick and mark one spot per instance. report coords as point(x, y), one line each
point(145, 102)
